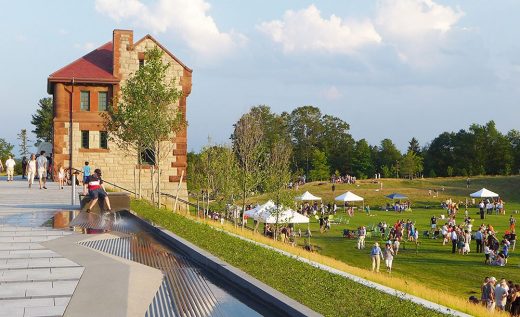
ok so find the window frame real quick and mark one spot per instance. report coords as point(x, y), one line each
point(103, 138)
point(83, 134)
point(104, 93)
point(83, 93)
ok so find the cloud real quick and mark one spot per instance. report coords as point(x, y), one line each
point(332, 93)
point(187, 19)
point(306, 30)
point(417, 29)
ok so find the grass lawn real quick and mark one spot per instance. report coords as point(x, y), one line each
point(431, 263)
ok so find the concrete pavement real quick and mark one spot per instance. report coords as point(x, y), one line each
point(44, 272)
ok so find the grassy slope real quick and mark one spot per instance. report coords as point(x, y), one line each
point(324, 292)
point(432, 264)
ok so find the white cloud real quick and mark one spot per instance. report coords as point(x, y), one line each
point(332, 93)
point(417, 29)
point(187, 19)
point(306, 30)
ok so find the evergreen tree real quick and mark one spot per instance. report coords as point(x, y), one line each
point(43, 120)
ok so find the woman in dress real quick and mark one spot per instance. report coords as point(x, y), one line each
point(31, 170)
point(61, 176)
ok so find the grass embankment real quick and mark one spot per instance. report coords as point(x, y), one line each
point(324, 292)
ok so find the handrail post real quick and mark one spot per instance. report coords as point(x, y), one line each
point(73, 200)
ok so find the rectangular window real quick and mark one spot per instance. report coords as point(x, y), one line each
point(85, 101)
point(102, 101)
point(85, 139)
point(148, 157)
point(103, 140)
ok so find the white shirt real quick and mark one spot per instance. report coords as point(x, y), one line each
point(32, 166)
point(42, 162)
point(9, 163)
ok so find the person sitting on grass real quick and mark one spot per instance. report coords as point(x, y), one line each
point(96, 190)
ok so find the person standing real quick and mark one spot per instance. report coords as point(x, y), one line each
point(31, 170)
point(478, 239)
point(61, 176)
point(24, 167)
point(389, 257)
point(9, 166)
point(454, 238)
point(376, 255)
point(361, 237)
point(433, 223)
point(481, 209)
point(42, 165)
point(86, 172)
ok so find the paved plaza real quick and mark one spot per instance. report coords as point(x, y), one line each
point(45, 272)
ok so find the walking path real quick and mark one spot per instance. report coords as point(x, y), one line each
point(45, 272)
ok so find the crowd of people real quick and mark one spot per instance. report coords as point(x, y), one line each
point(503, 296)
point(347, 179)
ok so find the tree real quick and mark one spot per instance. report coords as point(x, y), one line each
point(320, 167)
point(43, 120)
point(410, 164)
point(414, 146)
point(362, 165)
point(336, 142)
point(388, 154)
point(513, 137)
point(24, 143)
point(145, 117)
point(278, 175)
point(248, 137)
point(6, 149)
point(305, 127)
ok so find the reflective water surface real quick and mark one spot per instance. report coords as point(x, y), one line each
point(187, 289)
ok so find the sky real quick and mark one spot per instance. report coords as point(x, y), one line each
point(390, 68)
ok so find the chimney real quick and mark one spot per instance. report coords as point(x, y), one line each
point(122, 41)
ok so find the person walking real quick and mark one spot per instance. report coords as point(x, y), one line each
point(42, 166)
point(389, 257)
point(9, 166)
point(31, 170)
point(24, 167)
point(96, 190)
point(376, 255)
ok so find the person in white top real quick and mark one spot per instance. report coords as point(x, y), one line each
point(9, 166)
point(42, 163)
point(31, 170)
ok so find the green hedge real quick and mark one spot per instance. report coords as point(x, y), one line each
point(324, 292)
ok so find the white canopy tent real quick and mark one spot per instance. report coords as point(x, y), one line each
point(350, 197)
point(307, 197)
point(251, 213)
point(284, 216)
point(484, 193)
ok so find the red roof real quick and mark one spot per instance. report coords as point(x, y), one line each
point(96, 66)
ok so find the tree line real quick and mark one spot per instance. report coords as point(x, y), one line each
point(319, 145)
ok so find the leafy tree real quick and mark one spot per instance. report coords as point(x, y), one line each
point(439, 154)
point(362, 165)
point(336, 142)
point(24, 143)
point(43, 120)
point(388, 154)
point(320, 168)
point(410, 164)
point(145, 117)
point(305, 127)
point(248, 138)
point(6, 149)
point(513, 137)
